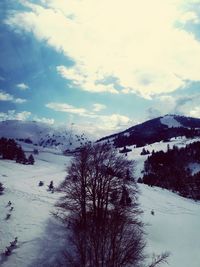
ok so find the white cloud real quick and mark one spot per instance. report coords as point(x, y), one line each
point(189, 17)
point(98, 107)
point(13, 115)
point(22, 86)
point(167, 103)
point(63, 107)
point(104, 125)
point(187, 105)
point(135, 41)
point(96, 125)
point(114, 122)
point(80, 77)
point(7, 97)
point(44, 120)
point(195, 112)
point(19, 100)
point(23, 115)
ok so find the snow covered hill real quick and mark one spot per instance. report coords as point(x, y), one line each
point(135, 152)
point(155, 130)
point(40, 237)
point(41, 134)
point(174, 227)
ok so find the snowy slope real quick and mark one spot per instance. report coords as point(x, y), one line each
point(170, 121)
point(174, 227)
point(42, 134)
point(31, 220)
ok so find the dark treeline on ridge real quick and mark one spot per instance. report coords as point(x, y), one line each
point(150, 136)
point(173, 170)
point(154, 130)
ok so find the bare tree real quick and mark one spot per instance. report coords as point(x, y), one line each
point(100, 206)
point(159, 259)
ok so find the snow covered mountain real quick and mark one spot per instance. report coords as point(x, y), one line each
point(155, 130)
point(41, 134)
point(174, 227)
point(31, 220)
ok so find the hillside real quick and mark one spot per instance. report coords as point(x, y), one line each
point(42, 239)
point(37, 230)
point(155, 130)
point(41, 134)
point(31, 220)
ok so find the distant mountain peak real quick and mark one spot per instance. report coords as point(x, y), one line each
point(42, 134)
point(156, 130)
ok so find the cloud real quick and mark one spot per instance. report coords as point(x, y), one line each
point(101, 125)
point(19, 100)
point(98, 107)
point(195, 112)
point(96, 124)
point(114, 122)
point(22, 86)
point(153, 112)
point(13, 115)
point(187, 105)
point(138, 42)
point(189, 17)
point(88, 82)
point(7, 97)
point(23, 116)
point(63, 107)
point(44, 120)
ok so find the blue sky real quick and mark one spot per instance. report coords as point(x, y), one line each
point(101, 65)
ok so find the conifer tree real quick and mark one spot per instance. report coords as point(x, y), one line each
point(31, 160)
point(1, 188)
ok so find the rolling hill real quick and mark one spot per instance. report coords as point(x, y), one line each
point(41, 134)
point(156, 130)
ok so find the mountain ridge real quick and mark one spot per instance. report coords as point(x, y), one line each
point(158, 129)
point(155, 130)
point(42, 134)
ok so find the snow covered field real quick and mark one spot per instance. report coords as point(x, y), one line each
point(40, 236)
point(173, 228)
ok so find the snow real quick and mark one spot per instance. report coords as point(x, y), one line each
point(59, 138)
point(31, 220)
point(173, 228)
point(158, 146)
point(170, 121)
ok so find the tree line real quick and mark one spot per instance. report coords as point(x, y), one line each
point(149, 134)
point(171, 170)
point(9, 149)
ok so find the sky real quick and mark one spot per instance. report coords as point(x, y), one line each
point(101, 66)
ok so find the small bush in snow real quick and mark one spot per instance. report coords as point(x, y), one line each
point(1, 188)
